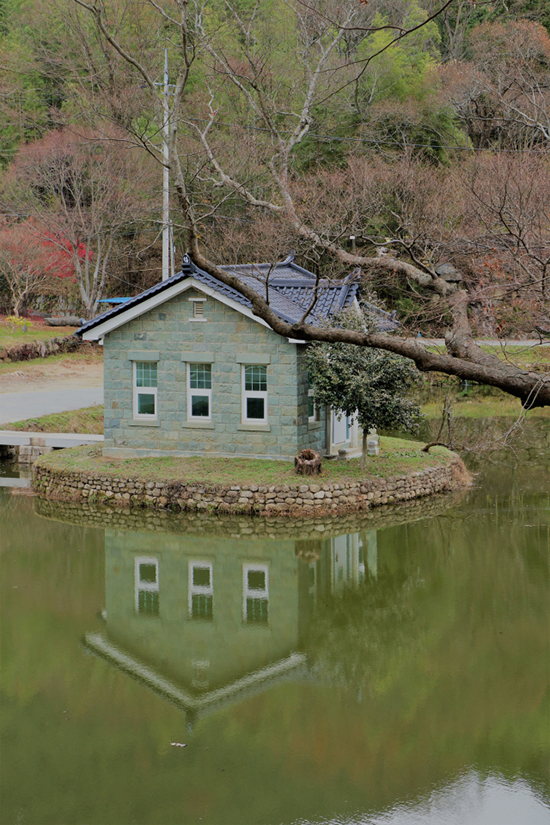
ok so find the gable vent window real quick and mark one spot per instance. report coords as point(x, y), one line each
point(198, 309)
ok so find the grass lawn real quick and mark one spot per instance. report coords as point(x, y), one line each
point(36, 332)
point(396, 457)
point(87, 420)
point(484, 407)
point(537, 357)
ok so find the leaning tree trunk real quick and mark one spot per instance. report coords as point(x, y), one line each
point(364, 453)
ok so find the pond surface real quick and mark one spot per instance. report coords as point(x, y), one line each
point(391, 669)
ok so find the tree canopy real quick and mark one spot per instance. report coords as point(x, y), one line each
point(419, 130)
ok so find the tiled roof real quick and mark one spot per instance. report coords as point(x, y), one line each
point(290, 292)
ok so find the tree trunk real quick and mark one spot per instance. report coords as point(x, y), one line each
point(364, 453)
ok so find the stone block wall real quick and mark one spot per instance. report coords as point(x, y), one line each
point(299, 498)
point(170, 334)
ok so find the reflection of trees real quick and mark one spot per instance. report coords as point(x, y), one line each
point(362, 637)
point(451, 644)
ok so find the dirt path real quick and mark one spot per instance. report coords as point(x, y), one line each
point(63, 372)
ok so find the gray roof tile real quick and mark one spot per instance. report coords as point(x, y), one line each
point(290, 292)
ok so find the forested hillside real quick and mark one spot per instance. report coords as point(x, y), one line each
point(406, 142)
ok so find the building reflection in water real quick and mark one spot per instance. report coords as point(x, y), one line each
point(205, 620)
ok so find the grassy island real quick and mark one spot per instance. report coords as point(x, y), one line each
point(240, 485)
point(397, 457)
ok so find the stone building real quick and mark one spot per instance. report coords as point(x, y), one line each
point(190, 370)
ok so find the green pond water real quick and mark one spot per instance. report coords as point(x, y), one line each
point(391, 669)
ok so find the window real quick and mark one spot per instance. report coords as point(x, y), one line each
point(312, 409)
point(145, 389)
point(201, 590)
point(255, 594)
point(198, 309)
point(255, 393)
point(199, 394)
point(147, 587)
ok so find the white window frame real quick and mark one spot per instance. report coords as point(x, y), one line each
point(192, 392)
point(254, 594)
point(151, 587)
point(144, 391)
point(246, 394)
point(312, 419)
point(199, 590)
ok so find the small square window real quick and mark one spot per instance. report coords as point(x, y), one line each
point(256, 580)
point(255, 378)
point(201, 576)
point(257, 611)
point(202, 607)
point(255, 409)
point(148, 573)
point(148, 603)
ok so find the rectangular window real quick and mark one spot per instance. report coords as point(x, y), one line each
point(147, 587)
point(199, 394)
point(145, 389)
point(255, 393)
point(255, 594)
point(312, 411)
point(201, 590)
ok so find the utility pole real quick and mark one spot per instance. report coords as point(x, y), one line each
point(167, 246)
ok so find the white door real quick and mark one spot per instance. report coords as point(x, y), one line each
point(339, 428)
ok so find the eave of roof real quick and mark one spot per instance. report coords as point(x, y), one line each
point(290, 293)
point(282, 299)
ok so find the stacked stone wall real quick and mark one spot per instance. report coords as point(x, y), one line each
point(273, 526)
point(42, 349)
point(298, 498)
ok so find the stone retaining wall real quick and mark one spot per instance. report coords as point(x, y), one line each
point(297, 499)
point(41, 349)
point(274, 526)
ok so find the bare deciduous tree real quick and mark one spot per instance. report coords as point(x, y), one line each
point(250, 76)
point(76, 191)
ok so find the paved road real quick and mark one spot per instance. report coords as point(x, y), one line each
point(19, 406)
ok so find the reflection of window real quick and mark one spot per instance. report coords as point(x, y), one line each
point(201, 590)
point(147, 587)
point(199, 395)
point(255, 393)
point(145, 389)
point(255, 594)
